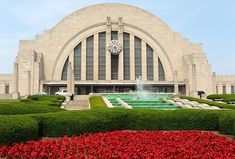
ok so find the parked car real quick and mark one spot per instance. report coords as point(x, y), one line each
point(62, 92)
point(40, 94)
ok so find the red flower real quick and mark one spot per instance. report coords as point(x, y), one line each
point(127, 144)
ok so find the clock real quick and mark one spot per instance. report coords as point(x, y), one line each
point(115, 47)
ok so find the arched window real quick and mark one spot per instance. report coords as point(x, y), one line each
point(65, 68)
point(102, 55)
point(77, 62)
point(89, 57)
point(161, 72)
point(126, 56)
point(138, 57)
point(149, 56)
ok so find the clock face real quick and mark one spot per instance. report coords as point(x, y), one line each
point(115, 47)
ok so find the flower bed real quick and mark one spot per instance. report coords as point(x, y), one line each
point(127, 144)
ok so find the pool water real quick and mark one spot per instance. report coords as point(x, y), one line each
point(141, 101)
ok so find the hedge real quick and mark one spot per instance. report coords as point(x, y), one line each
point(227, 123)
point(17, 129)
point(225, 97)
point(90, 121)
point(25, 127)
point(220, 105)
point(34, 104)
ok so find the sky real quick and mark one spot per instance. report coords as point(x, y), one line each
point(211, 22)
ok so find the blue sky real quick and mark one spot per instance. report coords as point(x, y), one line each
point(211, 22)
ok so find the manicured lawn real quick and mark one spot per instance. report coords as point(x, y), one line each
point(8, 100)
point(32, 105)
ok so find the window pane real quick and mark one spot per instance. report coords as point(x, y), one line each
point(89, 57)
point(161, 72)
point(65, 68)
point(77, 62)
point(149, 54)
point(138, 52)
point(126, 55)
point(102, 55)
point(7, 89)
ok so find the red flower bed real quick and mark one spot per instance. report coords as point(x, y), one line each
point(127, 144)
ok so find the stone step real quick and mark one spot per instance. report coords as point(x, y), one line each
point(80, 102)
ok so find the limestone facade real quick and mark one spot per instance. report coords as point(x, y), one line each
point(6, 86)
point(74, 53)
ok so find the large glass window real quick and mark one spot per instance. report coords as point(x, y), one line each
point(6, 88)
point(77, 62)
point(161, 72)
point(114, 35)
point(126, 56)
point(65, 68)
point(89, 57)
point(224, 89)
point(138, 64)
point(149, 54)
point(232, 90)
point(102, 53)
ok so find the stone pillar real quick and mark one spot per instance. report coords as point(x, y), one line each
point(96, 57)
point(36, 75)
point(132, 57)
point(29, 82)
point(69, 79)
point(144, 61)
point(187, 89)
point(83, 61)
point(155, 66)
point(108, 55)
point(194, 81)
point(16, 94)
point(176, 85)
point(228, 88)
point(120, 60)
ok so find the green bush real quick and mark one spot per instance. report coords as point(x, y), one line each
point(97, 102)
point(34, 104)
point(17, 129)
point(227, 123)
point(24, 100)
point(25, 127)
point(220, 105)
point(99, 120)
point(225, 97)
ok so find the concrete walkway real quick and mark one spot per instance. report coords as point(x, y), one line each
point(80, 102)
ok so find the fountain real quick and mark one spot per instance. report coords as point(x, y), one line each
point(142, 98)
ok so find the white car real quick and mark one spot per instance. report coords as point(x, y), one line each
point(62, 92)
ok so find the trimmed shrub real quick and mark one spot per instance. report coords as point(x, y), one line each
point(17, 129)
point(97, 102)
point(225, 97)
point(227, 123)
point(31, 105)
point(220, 105)
point(100, 120)
point(26, 108)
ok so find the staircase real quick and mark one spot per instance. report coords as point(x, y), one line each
point(80, 102)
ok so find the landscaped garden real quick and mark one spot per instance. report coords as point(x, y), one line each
point(97, 132)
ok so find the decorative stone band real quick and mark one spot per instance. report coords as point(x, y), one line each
point(124, 104)
point(107, 102)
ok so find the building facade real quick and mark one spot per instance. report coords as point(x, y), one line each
point(104, 48)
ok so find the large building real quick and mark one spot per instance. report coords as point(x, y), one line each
point(104, 48)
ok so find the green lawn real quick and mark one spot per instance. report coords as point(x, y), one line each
point(32, 105)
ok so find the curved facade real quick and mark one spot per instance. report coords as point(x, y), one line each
point(104, 48)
